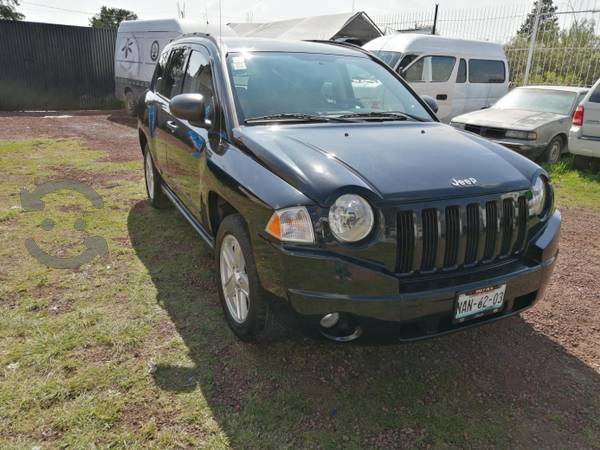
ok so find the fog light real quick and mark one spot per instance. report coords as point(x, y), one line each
point(330, 320)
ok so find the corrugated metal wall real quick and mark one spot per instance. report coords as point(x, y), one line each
point(46, 66)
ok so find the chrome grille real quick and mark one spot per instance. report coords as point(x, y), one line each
point(461, 235)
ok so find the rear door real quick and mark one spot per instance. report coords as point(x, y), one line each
point(488, 81)
point(434, 75)
point(591, 116)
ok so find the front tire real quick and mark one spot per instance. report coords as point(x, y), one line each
point(553, 151)
point(156, 196)
point(243, 301)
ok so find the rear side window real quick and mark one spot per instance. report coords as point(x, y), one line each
point(461, 76)
point(486, 71)
point(431, 69)
point(595, 97)
point(172, 78)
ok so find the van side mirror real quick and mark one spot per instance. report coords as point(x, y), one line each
point(188, 107)
point(431, 103)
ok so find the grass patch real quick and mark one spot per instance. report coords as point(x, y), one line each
point(575, 188)
point(131, 349)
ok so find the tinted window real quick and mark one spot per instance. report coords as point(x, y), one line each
point(486, 71)
point(390, 58)
point(199, 80)
point(461, 76)
point(173, 76)
point(595, 97)
point(431, 68)
point(277, 83)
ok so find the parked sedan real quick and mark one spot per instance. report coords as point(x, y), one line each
point(532, 120)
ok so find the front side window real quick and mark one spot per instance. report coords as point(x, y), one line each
point(486, 71)
point(199, 80)
point(173, 76)
point(161, 66)
point(271, 83)
point(538, 100)
point(435, 69)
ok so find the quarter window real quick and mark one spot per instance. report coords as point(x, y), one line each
point(437, 69)
point(173, 77)
point(595, 97)
point(486, 71)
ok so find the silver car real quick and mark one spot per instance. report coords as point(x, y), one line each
point(531, 120)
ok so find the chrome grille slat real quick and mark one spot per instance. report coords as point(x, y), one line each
point(460, 235)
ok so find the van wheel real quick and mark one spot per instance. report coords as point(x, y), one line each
point(157, 197)
point(553, 151)
point(244, 303)
point(130, 104)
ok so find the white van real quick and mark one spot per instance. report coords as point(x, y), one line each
point(461, 75)
point(139, 44)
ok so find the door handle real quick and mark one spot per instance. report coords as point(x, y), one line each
point(172, 126)
point(441, 97)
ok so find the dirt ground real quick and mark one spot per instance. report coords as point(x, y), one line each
point(568, 316)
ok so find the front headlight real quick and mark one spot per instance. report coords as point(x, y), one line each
point(537, 202)
point(526, 135)
point(292, 225)
point(351, 218)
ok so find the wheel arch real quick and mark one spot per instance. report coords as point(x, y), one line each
point(218, 209)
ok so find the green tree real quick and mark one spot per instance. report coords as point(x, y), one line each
point(111, 17)
point(8, 10)
point(548, 19)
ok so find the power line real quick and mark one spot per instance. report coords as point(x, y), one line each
point(39, 5)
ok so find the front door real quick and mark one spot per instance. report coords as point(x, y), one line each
point(187, 159)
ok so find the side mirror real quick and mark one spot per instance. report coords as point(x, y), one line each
point(188, 107)
point(431, 103)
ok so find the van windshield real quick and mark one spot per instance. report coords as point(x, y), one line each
point(319, 85)
point(390, 58)
point(538, 100)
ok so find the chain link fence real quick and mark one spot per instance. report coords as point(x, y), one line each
point(545, 43)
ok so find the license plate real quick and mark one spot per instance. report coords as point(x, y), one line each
point(480, 302)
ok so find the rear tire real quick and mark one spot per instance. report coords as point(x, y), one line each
point(553, 152)
point(253, 320)
point(153, 182)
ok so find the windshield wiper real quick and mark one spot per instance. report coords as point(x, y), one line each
point(297, 117)
point(389, 115)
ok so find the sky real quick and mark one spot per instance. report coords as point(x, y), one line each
point(78, 12)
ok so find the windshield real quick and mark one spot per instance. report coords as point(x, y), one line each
point(390, 58)
point(539, 100)
point(274, 83)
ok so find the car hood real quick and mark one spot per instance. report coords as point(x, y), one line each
point(519, 119)
point(396, 161)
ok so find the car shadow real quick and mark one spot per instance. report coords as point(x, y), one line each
point(504, 383)
point(120, 117)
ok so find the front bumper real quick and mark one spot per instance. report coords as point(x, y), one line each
point(531, 149)
point(317, 283)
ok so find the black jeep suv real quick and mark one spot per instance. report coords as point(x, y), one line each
point(329, 189)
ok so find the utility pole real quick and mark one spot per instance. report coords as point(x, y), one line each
point(532, 44)
point(435, 16)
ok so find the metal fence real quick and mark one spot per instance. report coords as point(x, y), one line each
point(45, 66)
point(557, 45)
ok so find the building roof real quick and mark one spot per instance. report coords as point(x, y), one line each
point(358, 26)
